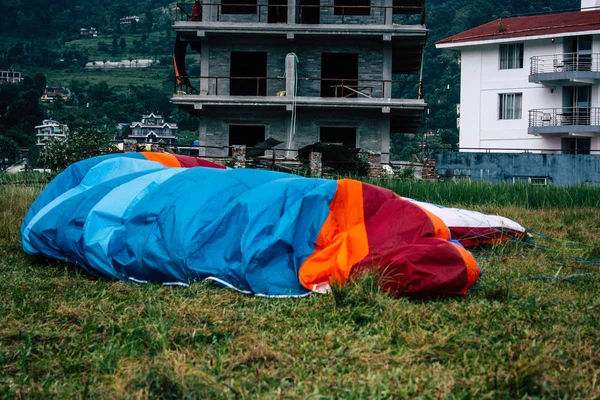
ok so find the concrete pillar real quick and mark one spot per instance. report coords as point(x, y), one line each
point(238, 151)
point(204, 70)
point(315, 164)
point(384, 130)
point(374, 159)
point(209, 12)
point(291, 11)
point(387, 70)
point(290, 75)
point(388, 12)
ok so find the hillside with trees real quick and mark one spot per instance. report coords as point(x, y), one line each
point(43, 40)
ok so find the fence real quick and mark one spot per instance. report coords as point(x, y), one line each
point(567, 62)
point(558, 169)
point(308, 87)
point(564, 116)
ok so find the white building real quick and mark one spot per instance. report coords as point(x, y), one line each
point(10, 77)
point(153, 129)
point(50, 129)
point(531, 83)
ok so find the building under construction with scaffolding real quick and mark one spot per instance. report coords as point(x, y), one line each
point(300, 71)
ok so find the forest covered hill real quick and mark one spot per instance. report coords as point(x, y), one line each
point(44, 37)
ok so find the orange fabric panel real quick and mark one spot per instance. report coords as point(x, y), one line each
point(473, 271)
point(166, 159)
point(342, 241)
point(440, 228)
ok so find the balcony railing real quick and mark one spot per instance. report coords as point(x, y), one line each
point(183, 12)
point(565, 63)
point(566, 116)
point(308, 87)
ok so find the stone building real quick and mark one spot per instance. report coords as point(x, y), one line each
point(301, 71)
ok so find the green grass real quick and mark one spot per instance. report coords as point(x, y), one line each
point(155, 76)
point(65, 334)
point(90, 45)
point(469, 194)
point(27, 178)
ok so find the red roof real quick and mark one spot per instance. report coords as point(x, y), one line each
point(547, 24)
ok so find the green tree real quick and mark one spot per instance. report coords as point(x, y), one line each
point(149, 20)
point(79, 144)
point(9, 150)
point(34, 155)
point(115, 44)
point(122, 44)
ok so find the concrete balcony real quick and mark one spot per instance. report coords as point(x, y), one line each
point(565, 69)
point(567, 120)
point(194, 94)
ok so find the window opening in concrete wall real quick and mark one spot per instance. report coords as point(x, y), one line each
point(340, 135)
point(247, 135)
point(339, 74)
point(277, 11)
point(576, 145)
point(248, 73)
point(308, 12)
point(238, 6)
point(352, 7)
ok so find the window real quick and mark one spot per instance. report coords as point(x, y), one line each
point(352, 7)
point(247, 135)
point(238, 6)
point(277, 11)
point(511, 56)
point(531, 180)
point(339, 74)
point(339, 135)
point(576, 145)
point(248, 71)
point(510, 105)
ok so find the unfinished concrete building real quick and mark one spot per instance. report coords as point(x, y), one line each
point(301, 71)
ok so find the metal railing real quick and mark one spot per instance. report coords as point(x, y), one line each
point(307, 87)
point(222, 85)
point(564, 116)
point(183, 12)
point(565, 62)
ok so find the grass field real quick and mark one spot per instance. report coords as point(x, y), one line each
point(156, 76)
point(90, 45)
point(65, 334)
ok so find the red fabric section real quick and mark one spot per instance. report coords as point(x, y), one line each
point(403, 249)
point(190, 162)
point(548, 24)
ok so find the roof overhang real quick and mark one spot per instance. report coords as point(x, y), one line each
point(459, 45)
point(199, 30)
